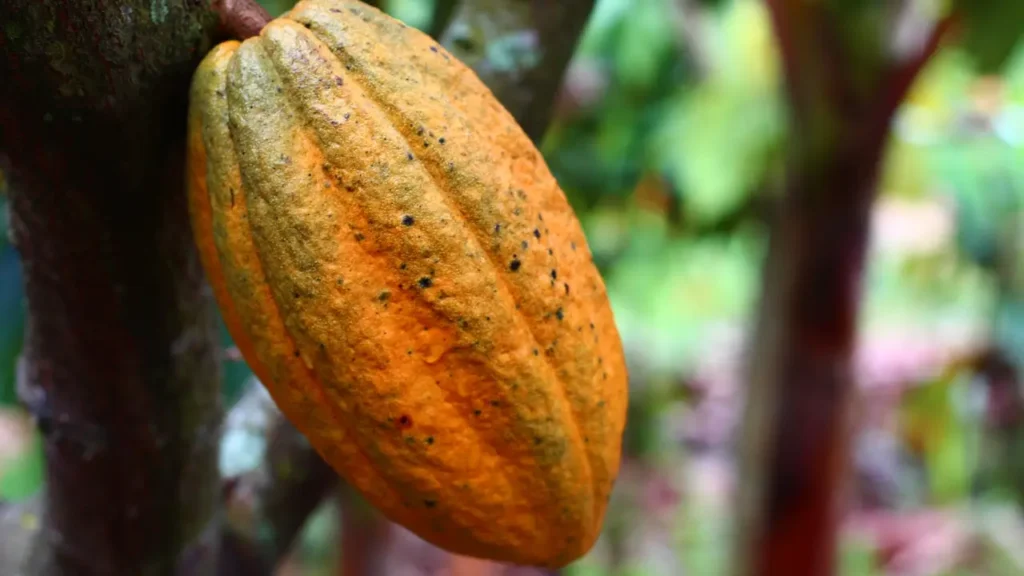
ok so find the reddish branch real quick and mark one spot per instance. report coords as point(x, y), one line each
point(241, 19)
point(798, 419)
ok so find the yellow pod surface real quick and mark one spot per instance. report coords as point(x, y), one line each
point(399, 267)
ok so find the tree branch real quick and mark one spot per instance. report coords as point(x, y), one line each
point(798, 419)
point(268, 506)
point(520, 49)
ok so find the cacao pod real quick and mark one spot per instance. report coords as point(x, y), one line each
point(400, 269)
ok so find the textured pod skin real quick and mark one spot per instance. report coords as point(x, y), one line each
point(401, 270)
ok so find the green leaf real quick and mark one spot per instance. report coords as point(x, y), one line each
point(992, 29)
point(23, 476)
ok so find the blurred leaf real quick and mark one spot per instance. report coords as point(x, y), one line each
point(277, 7)
point(857, 558)
point(718, 139)
point(12, 319)
point(23, 476)
point(937, 426)
point(993, 29)
point(667, 294)
point(415, 13)
point(717, 144)
point(647, 34)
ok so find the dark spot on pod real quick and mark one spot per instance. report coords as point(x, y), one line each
point(359, 237)
point(604, 376)
point(408, 352)
point(335, 10)
point(495, 403)
point(348, 115)
point(430, 503)
point(408, 220)
point(521, 194)
point(586, 439)
point(383, 296)
point(517, 211)
point(536, 352)
point(451, 166)
point(536, 233)
point(559, 314)
point(540, 216)
point(295, 293)
point(350, 188)
point(497, 228)
point(404, 421)
point(525, 244)
point(573, 245)
point(536, 440)
point(425, 282)
point(515, 264)
point(430, 439)
point(338, 80)
point(554, 274)
point(441, 140)
point(433, 48)
point(420, 131)
point(591, 325)
point(409, 155)
point(402, 266)
point(340, 281)
point(488, 318)
point(566, 287)
point(476, 412)
point(232, 190)
point(600, 404)
point(551, 252)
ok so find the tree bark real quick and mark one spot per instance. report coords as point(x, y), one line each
point(119, 365)
point(520, 49)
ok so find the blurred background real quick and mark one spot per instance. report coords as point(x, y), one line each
point(667, 139)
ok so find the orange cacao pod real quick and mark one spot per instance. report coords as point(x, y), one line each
point(398, 266)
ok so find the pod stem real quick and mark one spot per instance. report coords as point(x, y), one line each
point(241, 19)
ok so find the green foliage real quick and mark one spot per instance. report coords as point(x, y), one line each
point(993, 30)
point(939, 425)
point(22, 477)
point(277, 7)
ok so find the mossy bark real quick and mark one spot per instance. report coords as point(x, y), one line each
point(119, 364)
point(521, 50)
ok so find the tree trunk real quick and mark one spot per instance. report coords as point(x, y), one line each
point(120, 364)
